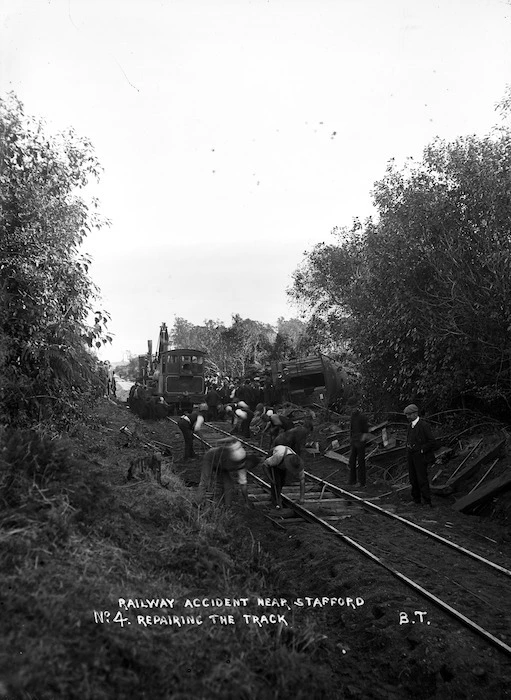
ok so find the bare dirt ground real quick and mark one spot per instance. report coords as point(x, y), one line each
point(350, 629)
point(396, 644)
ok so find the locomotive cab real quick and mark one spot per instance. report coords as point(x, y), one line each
point(181, 379)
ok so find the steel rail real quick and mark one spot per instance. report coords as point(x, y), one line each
point(236, 437)
point(197, 437)
point(155, 445)
point(224, 432)
point(408, 523)
point(373, 506)
point(308, 515)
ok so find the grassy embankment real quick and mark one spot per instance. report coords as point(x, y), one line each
point(73, 543)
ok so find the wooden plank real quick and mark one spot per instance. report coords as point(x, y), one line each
point(442, 451)
point(462, 463)
point(485, 475)
point(328, 518)
point(334, 455)
point(471, 500)
point(379, 426)
point(333, 507)
point(337, 446)
point(330, 500)
point(471, 469)
point(387, 454)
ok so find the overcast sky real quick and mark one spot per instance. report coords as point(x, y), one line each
point(236, 134)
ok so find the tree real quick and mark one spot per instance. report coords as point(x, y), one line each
point(246, 342)
point(45, 289)
point(282, 349)
point(183, 334)
point(292, 328)
point(207, 337)
point(423, 294)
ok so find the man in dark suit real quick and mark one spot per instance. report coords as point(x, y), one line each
point(212, 400)
point(359, 435)
point(421, 445)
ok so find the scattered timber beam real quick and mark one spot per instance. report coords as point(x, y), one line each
point(484, 475)
point(453, 484)
point(340, 507)
point(442, 451)
point(328, 518)
point(466, 459)
point(471, 469)
point(334, 455)
point(388, 454)
point(442, 489)
point(379, 426)
point(472, 500)
point(436, 475)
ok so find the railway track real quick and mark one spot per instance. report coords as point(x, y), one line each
point(438, 569)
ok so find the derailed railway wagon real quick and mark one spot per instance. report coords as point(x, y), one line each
point(313, 379)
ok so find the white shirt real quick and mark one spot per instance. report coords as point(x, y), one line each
point(414, 422)
point(278, 456)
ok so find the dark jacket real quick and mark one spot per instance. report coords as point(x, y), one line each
point(188, 425)
point(294, 438)
point(212, 398)
point(358, 426)
point(420, 440)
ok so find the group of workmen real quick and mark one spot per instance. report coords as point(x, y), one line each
point(221, 396)
point(227, 463)
point(146, 404)
point(220, 393)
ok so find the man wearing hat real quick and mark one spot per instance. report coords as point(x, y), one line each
point(420, 445)
point(222, 467)
point(189, 423)
point(244, 415)
point(275, 423)
point(281, 467)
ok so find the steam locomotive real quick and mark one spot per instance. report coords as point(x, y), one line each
point(176, 374)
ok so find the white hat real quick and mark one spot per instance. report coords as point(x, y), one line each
point(269, 412)
point(242, 404)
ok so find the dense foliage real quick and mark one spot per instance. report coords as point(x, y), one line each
point(243, 346)
point(46, 293)
point(423, 293)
